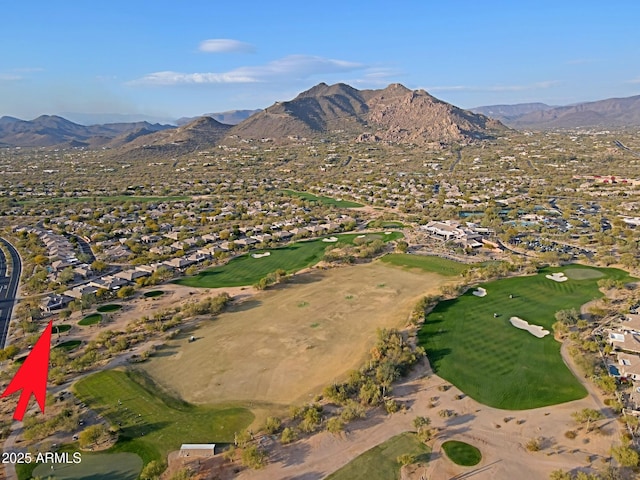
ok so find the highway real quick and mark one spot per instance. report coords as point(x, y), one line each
point(8, 289)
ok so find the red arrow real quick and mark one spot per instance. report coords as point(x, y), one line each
point(31, 377)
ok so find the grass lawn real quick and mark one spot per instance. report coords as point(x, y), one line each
point(90, 319)
point(289, 342)
point(112, 307)
point(428, 263)
point(496, 363)
point(462, 453)
point(95, 466)
point(323, 200)
point(60, 328)
point(154, 294)
point(69, 345)
point(246, 270)
point(385, 224)
point(152, 422)
point(380, 462)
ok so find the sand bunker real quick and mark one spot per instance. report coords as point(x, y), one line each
point(479, 292)
point(330, 239)
point(361, 236)
point(557, 277)
point(535, 330)
point(388, 233)
point(260, 255)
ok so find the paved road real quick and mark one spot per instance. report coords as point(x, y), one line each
point(8, 289)
point(84, 247)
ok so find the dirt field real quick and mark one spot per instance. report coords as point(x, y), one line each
point(500, 435)
point(283, 346)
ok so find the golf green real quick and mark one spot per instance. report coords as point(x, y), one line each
point(60, 328)
point(471, 343)
point(154, 294)
point(94, 466)
point(112, 307)
point(91, 319)
point(247, 270)
point(69, 345)
point(462, 453)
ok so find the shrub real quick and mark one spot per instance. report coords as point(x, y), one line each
point(152, 470)
point(534, 445)
point(253, 457)
point(272, 425)
point(288, 435)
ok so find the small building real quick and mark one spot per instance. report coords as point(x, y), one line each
point(197, 450)
point(55, 302)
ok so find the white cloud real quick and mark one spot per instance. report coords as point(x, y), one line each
point(9, 77)
point(292, 67)
point(635, 81)
point(225, 45)
point(493, 88)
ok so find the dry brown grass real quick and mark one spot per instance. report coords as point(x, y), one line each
point(283, 346)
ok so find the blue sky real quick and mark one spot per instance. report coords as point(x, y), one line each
point(183, 58)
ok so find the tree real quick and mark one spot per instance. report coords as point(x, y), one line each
point(288, 435)
point(402, 246)
point(587, 415)
point(99, 266)
point(253, 457)
point(568, 317)
point(91, 435)
point(625, 456)
point(272, 425)
point(126, 292)
point(335, 425)
point(66, 276)
point(152, 470)
point(406, 459)
point(9, 352)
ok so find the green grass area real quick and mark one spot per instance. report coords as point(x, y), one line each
point(246, 270)
point(443, 266)
point(332, 202)
point(153, 293)
point(95, 466)
point(584, 273)
point(92, 319)
point(60, 328)
point(462, 453)
point(497, 364)
point(380, 462)
point(69, 345)
point(112, 307)
point(385, 224)
point(152, 422)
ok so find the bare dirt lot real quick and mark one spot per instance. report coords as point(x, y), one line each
point(284, 345)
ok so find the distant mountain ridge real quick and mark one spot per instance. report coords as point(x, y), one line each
point(609, 113)
point(508, 112)
point(393, 114)
point(231, 117)
point(52, 130)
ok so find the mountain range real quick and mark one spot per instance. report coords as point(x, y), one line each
point(609, 113)
point(52, 130)
point(393, 114)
